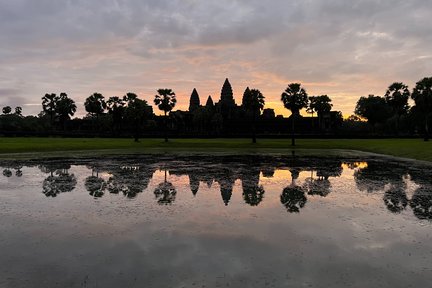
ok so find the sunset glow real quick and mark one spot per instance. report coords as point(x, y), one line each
point(339, 48)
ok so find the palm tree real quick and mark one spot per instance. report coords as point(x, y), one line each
point(253, 102)
point(422, 95)
point(165, 100)
point(373, 108)
point(18, 111)
point(95, 105)
point(65, 108)
point(311, 108)
point(49, 104)
point(115, 107)
point(294, 99)
point(137, 112)
point(396, 97)
point(6, 110)
point(320, 104)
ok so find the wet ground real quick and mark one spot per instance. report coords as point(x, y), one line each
point(226, 221)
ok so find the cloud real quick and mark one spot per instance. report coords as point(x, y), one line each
point(335, 47)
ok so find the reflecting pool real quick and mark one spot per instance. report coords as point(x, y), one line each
point(216, 221)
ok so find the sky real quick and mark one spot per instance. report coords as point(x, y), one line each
point(345, 49)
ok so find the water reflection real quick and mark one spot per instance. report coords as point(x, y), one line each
point(309, 178)
point(253, 192)
point(165, 192)
point(395, 197)
point(129, 180)
point(157, 221)
point(59, 179)
point(320, 184)
point(421, 203)
point(7, 172)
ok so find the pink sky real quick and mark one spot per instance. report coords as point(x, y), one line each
point(340, 48)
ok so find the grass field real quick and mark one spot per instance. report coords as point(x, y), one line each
point(407, 148)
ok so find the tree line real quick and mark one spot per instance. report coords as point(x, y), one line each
point(394, 105)
point(131, 116)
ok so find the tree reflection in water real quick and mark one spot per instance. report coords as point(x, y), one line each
point(390, 178)
point(375, 177)
point(7, 172)
point(253, 193)
point(421, 203)
point(59, 180)
point(94, 184)
point(165, 192)
point(395, 198)
point(293, 196)
point(317, 186)
point(128, 180)
point(321, 185)
point(18, 171)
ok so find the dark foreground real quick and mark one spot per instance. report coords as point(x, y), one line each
point(202, 221)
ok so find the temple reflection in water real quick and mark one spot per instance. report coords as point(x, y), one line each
point(401, 187)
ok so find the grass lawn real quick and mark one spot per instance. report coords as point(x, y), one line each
point(407, 148)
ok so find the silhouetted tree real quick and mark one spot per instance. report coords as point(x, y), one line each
point(254, 103)
point(95, 105)
point(18, 111)
point(294, 99)
point(396, 97)
point(7, 110)
point(194, 102)
point(422, 95)
point(320, 104)
point(165, 100)
point(373, 108)
point(137, 112)
point(310, 109)
point(65, 108)
point(116, 109)
point(49, 105)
